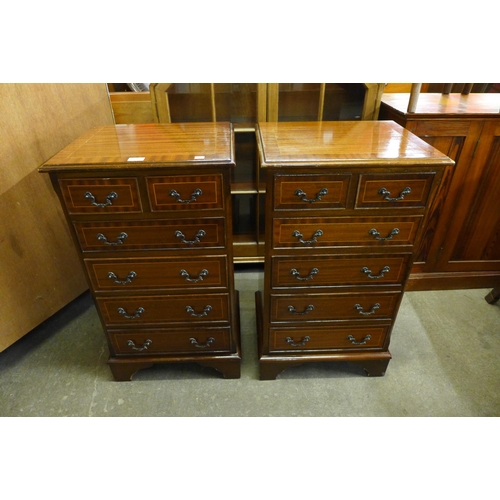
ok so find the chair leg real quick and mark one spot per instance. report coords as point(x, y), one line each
point(493, 296)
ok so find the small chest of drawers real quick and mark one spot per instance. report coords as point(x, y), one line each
point(346, 203)
point(149, 209)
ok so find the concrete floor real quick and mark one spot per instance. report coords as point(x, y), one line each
point(445, 347)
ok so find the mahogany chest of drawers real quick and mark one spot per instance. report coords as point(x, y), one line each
point(149, 208)
point(346, 203)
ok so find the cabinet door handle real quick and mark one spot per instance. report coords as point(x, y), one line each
point(296, 273)
point(190, 310)
point(208, 343)
point(200, 277)
point(144, 347)
point(364, 340)
point(109, 199)
point(359, 308)
point(303, 342)
point(386, 194)
point(376, 234)
point(119, 239)
point(303, 196)
point(137, 314)
point(292, 309)
point(194, 195)
point(367, 271)
point(130, 276)
point(197, 237)
point(298, 235)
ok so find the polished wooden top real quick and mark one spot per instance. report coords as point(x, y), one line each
point(429, 104)
point(147, 145)
point(341, 142)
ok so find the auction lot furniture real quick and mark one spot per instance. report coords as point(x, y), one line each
point(149, 208)
point(346, 205)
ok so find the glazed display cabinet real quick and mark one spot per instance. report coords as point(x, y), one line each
point(245, 104)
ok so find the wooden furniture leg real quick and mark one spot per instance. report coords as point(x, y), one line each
point(493, 296)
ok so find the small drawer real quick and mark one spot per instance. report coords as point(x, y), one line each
point(332, 338)
point(203, 192)
point(147, 342)
point(302, 192)
point(164, 309)
point(334, 271)
point(101, 196)
point(149, 234)
point(334, 307)
point(157, 273)
point(393, 191)
point(345, 232)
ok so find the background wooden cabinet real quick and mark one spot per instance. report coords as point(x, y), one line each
point(461, 247)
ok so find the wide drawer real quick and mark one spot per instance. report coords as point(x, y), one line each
point(202, 192)
point(333, 307)
point(345, 232)
point(151, 234)
point(331, 338)
point(101, 196)
point(339, 270)
point(157, 273)
point(180, 341)
point(292, 192)
point(394, 190)
point(142, 310)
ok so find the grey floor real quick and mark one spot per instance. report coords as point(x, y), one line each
point(445, 347)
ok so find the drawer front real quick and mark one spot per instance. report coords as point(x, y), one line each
point(203, 192)
point(146, 342)
point(332, 307)
point(158, 234)
point(101, 196)
point(157, 273)
point(294, 192)
point(164, 309)
point(393, 191)
point(339, 270)
point(345, 232)
point(332, 338)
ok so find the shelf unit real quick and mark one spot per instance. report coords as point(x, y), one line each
point(245, 105)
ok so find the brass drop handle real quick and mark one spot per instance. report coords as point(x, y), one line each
point(296, 273)
point(119, 239)
point(368, 272)
point(303, 196)
point(109, 199)
point(194, 195)
point(200, 277)
point(363, 341)
point(130, 276)
point(298, 235)
point(303, 342)
point(136, 315)
point(208, 343)
point(292, 309)
point(376, 234)
point(359, 308)
point(144, 347)
point(205, 311)
point(199, 234)
point(386, 194)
